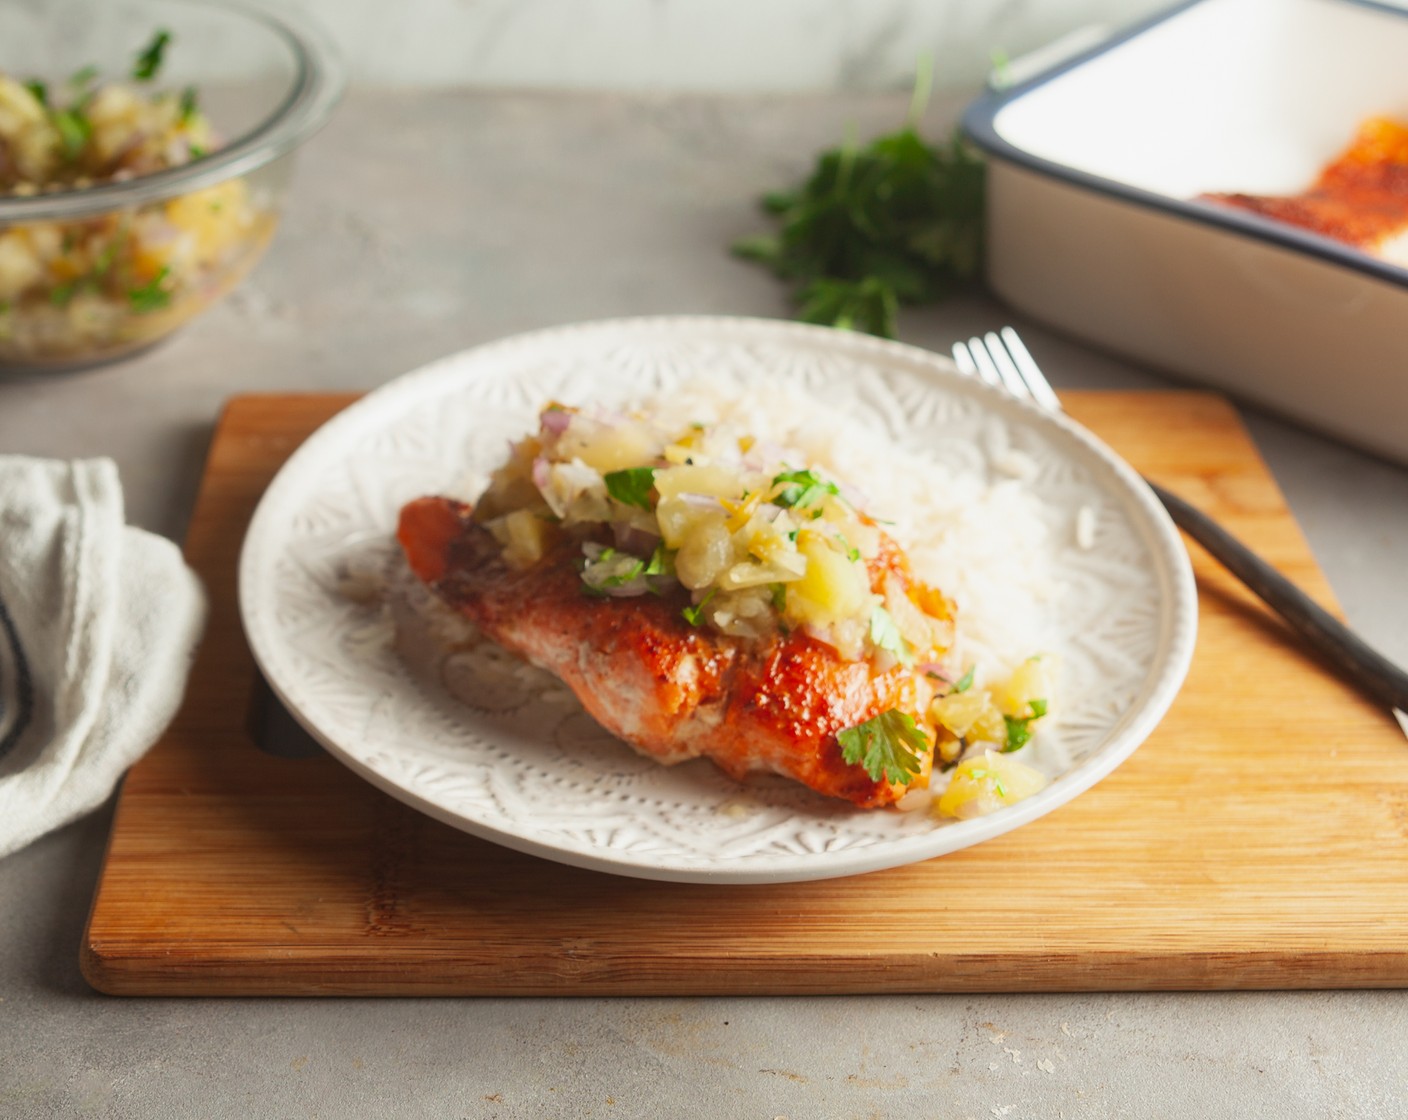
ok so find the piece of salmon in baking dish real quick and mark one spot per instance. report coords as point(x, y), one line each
point(1359, 198)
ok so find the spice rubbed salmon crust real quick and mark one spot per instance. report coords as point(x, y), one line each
point(703, 597)
point(1359, 198)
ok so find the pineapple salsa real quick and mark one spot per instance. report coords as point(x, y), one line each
point(117, 278)
point(765, 545)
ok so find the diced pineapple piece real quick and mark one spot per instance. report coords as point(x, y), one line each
point(1034, 679)
point(743, 614)
point(989, 727)
point(674, 516)
point(714, 481)
point(705, 552)
point(837, 513)
point(769, 542)
point(959, 711)
point(833, 587)
point(604, 448)
point(687, 449)
point(946, 746)
point(524, 537)
point(864, 538)
point(749, 574)
point(740, 512)
point(677, 518)
point(114, 116)
point(982, 785)
point(32, 143)
point(511, 485)
point(216, 218)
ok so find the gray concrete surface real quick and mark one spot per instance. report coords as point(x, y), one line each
point(422, 223)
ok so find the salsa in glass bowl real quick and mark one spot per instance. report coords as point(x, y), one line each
point(145, 151)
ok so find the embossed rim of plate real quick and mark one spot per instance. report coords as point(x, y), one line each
point(1177, 617)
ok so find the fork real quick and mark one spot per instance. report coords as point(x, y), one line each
point(1002, 360)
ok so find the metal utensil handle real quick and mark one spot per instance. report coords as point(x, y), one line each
point(1325, 633)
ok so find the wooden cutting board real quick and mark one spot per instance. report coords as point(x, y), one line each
point(1259, 839)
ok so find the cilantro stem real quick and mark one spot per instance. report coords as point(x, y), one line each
point(694, 615)
point(923, 87)
point(149, 59)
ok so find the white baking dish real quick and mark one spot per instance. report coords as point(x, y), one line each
point(1093, 227)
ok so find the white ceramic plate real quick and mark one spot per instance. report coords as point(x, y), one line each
point(534, 772)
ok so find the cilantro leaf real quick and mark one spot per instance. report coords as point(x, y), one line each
point(779, 595)
point(620, 579)
point(190, 104)
point(868, 305)
point(1019, 733)
point(74, 131)
point(885, 634)
point(694, 615)
point(151, 296)
point(890, 745)
point(631, 487)
point(662, 563)
point(897, 221)
point(965, 682)
point(612, 568)
point(801, 489)
point(80, 78)
point(150, 57)
point(38, 90)
point(1019, 729)
point(103, 263)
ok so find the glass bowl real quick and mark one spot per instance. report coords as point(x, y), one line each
point(90, 273)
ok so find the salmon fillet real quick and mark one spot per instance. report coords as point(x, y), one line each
point(671, 690)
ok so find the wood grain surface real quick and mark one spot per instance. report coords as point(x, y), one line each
point(1259, 839)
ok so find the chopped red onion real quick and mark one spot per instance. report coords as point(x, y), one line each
point(542, 479)
point(555, 421)
point(638, 586)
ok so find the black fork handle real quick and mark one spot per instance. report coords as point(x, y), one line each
point(1327, 635)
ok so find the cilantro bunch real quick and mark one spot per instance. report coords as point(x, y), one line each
point(897, 221)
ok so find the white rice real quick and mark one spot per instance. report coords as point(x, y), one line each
point(978, 535)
